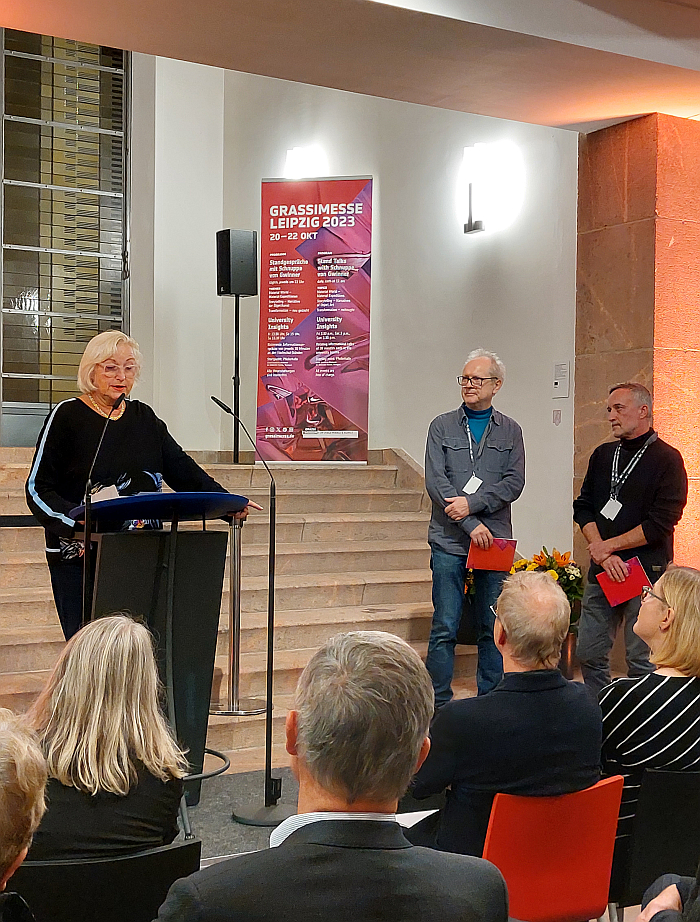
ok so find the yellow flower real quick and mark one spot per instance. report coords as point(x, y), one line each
point(531, 566)
point(554, 575)
point(520, 564)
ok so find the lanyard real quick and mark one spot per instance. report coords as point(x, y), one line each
point(465, 423)
point(617, 479)
point(469, 436)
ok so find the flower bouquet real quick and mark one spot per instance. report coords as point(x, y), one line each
point(563, 570)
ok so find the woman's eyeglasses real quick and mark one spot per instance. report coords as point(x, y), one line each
point(647, 592)
point(109, 370)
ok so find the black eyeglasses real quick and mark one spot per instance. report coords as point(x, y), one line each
point(466, 380)
point(647, 591)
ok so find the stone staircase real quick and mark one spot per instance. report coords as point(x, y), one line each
point(351, 554)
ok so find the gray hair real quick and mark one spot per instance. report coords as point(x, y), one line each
point(364, 705)
point(535, 615)
point(498, 369)
point(640, 393)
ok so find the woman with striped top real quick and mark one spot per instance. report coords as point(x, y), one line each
point(653, 721)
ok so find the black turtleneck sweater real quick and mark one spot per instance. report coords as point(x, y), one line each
point(653, 496)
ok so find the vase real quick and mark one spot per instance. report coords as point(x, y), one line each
point(568, 653)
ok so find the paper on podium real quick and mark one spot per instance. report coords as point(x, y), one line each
point(499, 556)
point(617, 593)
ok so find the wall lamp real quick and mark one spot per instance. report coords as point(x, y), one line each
point(303, 162)
point(491, 186)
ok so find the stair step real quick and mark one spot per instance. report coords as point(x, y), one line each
point(28, 568)
point(242, 478)
point(292, 502)
point(308, 529)
point(312, 627)
point(239, 478)
point(30, 649)
point(325, 590)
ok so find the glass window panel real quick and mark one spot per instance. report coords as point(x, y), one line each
point(63, 157)
point(46, 281)
point(52, 303)
point(48, 345)
point(28, 42)
point(62, 220)
point(55, 92)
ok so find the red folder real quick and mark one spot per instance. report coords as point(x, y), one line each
point(499, 556)
point(617, 593)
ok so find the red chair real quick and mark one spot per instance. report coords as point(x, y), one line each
point(555, 853)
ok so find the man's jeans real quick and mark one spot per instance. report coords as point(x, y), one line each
point(449, 574)
point(596, 633)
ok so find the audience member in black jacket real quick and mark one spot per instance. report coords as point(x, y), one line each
point(115, 770)
point(672, 899)
point(534, 734)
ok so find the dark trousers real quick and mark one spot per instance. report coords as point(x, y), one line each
point(596, 634)
point(67, 585)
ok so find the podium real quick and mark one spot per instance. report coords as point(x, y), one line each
point(173, 580)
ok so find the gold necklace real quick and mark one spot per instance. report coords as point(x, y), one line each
point(105, 413)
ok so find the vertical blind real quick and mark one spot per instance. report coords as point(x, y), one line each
point(64, 252)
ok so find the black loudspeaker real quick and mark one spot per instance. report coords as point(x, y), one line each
point(236, 262)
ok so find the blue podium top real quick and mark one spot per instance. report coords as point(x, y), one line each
point(186, 507)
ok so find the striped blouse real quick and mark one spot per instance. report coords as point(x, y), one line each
point(651, 721)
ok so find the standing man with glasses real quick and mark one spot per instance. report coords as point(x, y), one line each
point(474, 470)
point(631, 499)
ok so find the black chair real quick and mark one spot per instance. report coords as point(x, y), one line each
point(665, 837)
point(130, 887)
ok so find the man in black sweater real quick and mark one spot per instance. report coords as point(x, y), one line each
point(535, 734)
point(631, 499)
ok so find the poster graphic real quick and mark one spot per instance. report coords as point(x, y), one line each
point(313, 360)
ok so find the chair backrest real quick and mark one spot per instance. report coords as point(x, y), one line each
point(130, 887)
point(665, 835)
point(556, 852)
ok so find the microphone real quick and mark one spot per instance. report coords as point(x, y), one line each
point(115, 406)
point(228, 410)
point(87, 528)
point(273, 786)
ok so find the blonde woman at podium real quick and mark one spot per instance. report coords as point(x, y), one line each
point(138, 455)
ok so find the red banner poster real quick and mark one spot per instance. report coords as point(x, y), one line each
point(313, 360)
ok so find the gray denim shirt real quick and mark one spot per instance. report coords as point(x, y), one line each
point(499, 461)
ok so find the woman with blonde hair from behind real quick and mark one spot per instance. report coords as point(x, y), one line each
point(115, 771)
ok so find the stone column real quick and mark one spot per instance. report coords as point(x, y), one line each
point(638, 290)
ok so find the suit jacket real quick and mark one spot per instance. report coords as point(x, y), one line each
point(535, 734)
point(341, 870)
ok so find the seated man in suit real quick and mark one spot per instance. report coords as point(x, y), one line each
point(22, 783)
point(534, 734)
point(355, 737)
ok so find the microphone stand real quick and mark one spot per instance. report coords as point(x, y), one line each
point(87, 528)
point(272, 813)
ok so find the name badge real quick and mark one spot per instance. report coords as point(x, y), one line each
point(611, 509)
point(472, 485)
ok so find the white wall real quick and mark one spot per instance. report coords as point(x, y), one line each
point(188, 212)
point(436, 292)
